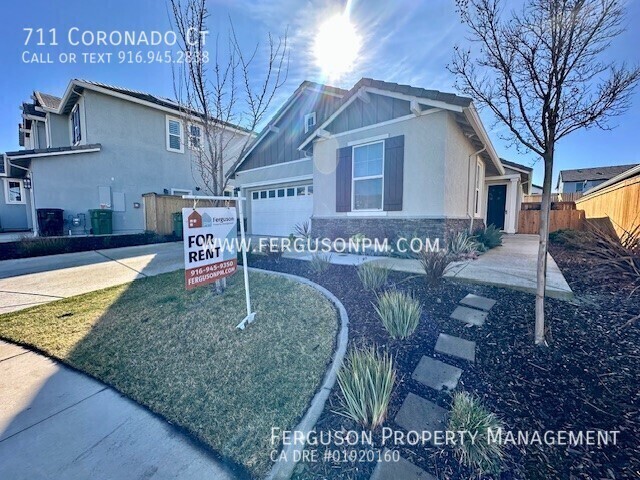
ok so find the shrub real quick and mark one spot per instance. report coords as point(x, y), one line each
point(372, 276)
point(320, 262)
point(434, 264)
point(469, 415)
point(490, 237)
point(303, 230)
point(399, 312)
point(462, 245)
point(569, 238)
point(39, 246)
point(366, 380)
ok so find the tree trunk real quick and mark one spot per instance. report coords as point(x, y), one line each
point(543, 248)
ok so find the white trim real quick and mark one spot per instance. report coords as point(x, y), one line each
point(181, 191)
point(513, 176)
point(299, 178)
point(511, 167)
point(368, 140)
point(54, 154)
point(275, 165)
point(422, 100)
point(169, 119)
point(368, 213)
point(369, 177)
point(6, 191)
point(75, 110)
point(476, 123)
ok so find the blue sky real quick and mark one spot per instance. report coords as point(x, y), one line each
point(403, 41)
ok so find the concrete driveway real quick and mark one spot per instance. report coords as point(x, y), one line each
point(57, 423)
point(32, 281)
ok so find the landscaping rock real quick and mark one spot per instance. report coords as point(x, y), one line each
point(400, 470)
point(456, 347)
point(436, 374)
point(476, 301)
point(419, 414)
point(469, 315)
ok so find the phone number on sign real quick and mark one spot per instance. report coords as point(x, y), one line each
point(122, 56)
point(162, 57)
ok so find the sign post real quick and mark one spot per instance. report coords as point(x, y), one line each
point(210, 240)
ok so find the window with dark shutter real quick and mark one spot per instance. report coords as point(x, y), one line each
point(343, 179)
point(393, 173)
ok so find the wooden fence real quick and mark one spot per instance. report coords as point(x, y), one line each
point(555, 197)
point(529, 220)
point(158, 211)
point(617, 204)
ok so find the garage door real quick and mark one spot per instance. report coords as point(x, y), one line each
point(277, 211)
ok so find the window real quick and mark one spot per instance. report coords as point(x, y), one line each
point(263, 194)
point(180, 191)
point(368, 161)
point(174, 135)
point(309, 121)
point(310, 190)
point(291, 192)
point(579, 187)
point(272, 194)
point(195, 137)
point(281, 193)
point(13, 191)
point(300, 191)
point(254, 195)
point(478, 184)
point(75, 125)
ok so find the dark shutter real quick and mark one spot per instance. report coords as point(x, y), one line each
point(343, 179)
point(393, 173)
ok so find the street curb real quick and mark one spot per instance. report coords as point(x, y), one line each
point(282, 470)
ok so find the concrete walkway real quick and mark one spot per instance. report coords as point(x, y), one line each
point(32, 281)
point(513, 265)
point(57, 423)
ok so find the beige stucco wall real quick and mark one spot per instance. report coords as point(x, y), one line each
point(424, 167)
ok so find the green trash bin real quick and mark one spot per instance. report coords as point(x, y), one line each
point(101, 222)
point(177, 224)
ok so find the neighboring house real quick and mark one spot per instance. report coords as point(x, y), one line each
point(380, 159)
point(582, 179)
point(535, 189)
point(100, 146)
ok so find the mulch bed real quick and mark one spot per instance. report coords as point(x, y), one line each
point(587, 378)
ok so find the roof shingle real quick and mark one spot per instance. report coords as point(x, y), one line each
point(595, 173)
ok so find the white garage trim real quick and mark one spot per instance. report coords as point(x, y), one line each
point(276, 208)
point(300, 178)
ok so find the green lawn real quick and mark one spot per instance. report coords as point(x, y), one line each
point(179, 353)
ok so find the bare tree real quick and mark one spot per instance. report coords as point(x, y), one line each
point(541, 71)
point(227, 90)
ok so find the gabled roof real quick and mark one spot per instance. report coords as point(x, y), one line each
point(631, 172)
point(466, 114)
point(319, 87)
point(517, 166)
point(595, 173)
point(47, 101)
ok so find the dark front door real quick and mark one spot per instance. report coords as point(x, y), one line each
point(496, 205)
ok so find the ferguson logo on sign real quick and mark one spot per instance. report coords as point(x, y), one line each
point(209, 247)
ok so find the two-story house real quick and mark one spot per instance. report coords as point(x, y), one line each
point(380, 159)
point(100, 146)
point(580, 180)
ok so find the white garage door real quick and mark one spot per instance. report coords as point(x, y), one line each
point(277, 211)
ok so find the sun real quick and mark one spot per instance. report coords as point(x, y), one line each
point(336, 46)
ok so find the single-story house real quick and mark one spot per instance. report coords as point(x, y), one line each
point(380, 159)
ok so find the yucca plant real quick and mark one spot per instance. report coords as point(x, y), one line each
point(366, 380)
point(434, 264)
point(303, 230)
point(469, 415)
point(399, 312)
point(490, 237)
point(462, 245)
point(372, 276)
point(320, 262)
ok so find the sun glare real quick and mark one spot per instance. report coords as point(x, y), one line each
point(337, 45)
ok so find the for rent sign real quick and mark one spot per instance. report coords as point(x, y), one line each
point(209, 244)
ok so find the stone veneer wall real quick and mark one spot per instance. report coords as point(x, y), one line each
point(390, 228)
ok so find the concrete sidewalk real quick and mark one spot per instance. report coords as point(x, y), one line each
point(32, 281)
point(57, 423)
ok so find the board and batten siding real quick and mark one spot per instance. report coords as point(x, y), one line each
point(282, 146)
point(362, 114)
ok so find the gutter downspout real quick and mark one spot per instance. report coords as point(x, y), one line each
point(470, 213)
point(34, 217)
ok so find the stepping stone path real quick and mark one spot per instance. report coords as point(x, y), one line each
point(469, 316)
point(436, 374)
point(475, 301)
point(401, 470)
point(456, 347)
point(417, 413)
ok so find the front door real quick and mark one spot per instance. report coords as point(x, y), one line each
point(496, 205)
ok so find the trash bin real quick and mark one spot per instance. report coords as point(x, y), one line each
point(101, 222)
point(177, 224)
point(50, 222)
